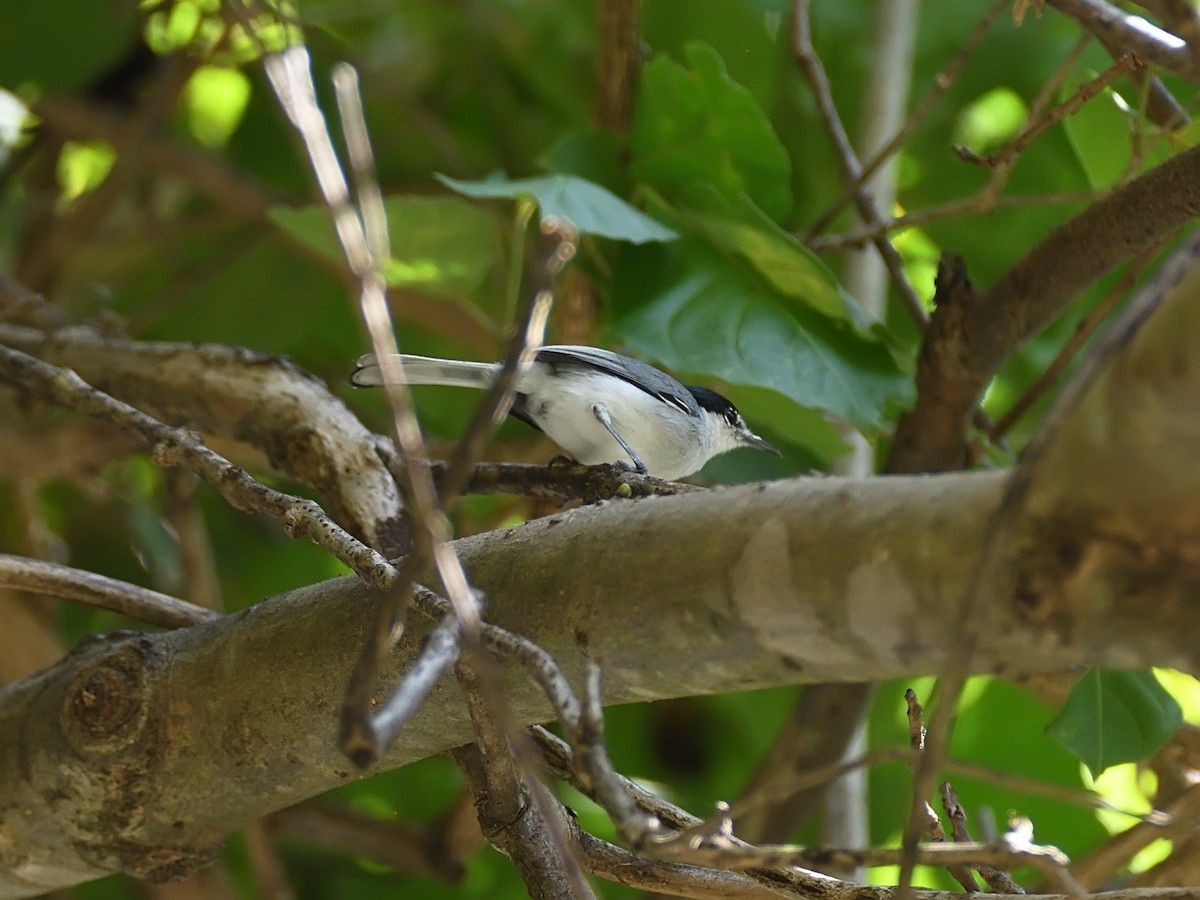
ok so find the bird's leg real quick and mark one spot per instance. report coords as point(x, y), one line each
point(600, 411)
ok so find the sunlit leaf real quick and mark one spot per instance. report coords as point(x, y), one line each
point(990, 120)
point(789, 267)
point(83, 166)
point(215, 100)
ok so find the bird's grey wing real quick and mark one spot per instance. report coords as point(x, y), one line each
point(641, 375)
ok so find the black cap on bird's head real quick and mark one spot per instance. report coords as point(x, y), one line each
point(738, 432)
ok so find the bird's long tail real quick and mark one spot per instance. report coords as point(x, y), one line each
point(426, 370)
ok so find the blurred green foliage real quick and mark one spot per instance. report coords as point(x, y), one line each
point(689, 226)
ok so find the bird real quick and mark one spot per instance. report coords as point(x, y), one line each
point(600, 407)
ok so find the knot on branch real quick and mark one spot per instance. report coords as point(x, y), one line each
point(106, 706)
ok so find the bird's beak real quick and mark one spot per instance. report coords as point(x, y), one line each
point(750, 439)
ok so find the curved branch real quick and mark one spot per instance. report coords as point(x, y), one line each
point(1128, 32)
point(262, 400)
point(39, 577)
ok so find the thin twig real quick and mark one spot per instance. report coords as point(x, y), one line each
point(997, 879)
point(1010, 852)
point(1002, 161)
point(951, 210)
point(438, 654)
point(942, 82)
point(669, 878)
point(143, 604)
point(814, 72)
point(591, 484)
point(594, 764)
point(360, 731)
point(558, 248)
point(1036, 121)
point(801, 781)
point(365, 246)
point(921, 808)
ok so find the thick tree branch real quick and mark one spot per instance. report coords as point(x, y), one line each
point(797, 581)
point(1118, 28)
point(1133, 403)
point(973, 334)
point(262, 400)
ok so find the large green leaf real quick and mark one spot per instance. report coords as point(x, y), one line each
point(1091, 129)
point(589, 207)
point(440, 245)
point(696, 311)
point(1113, 717)
point(790, 268)
point(695, 126)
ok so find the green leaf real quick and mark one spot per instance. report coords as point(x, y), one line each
point(1091, 130)
point(988, 121)
point(698, 312)
point(789, 267)
point(1114, 717)
point(440, 245)
point(589, 207)
point(695, 126)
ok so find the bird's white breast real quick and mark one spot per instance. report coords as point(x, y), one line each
point(668, 441)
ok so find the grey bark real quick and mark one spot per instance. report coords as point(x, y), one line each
point(140, 753)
